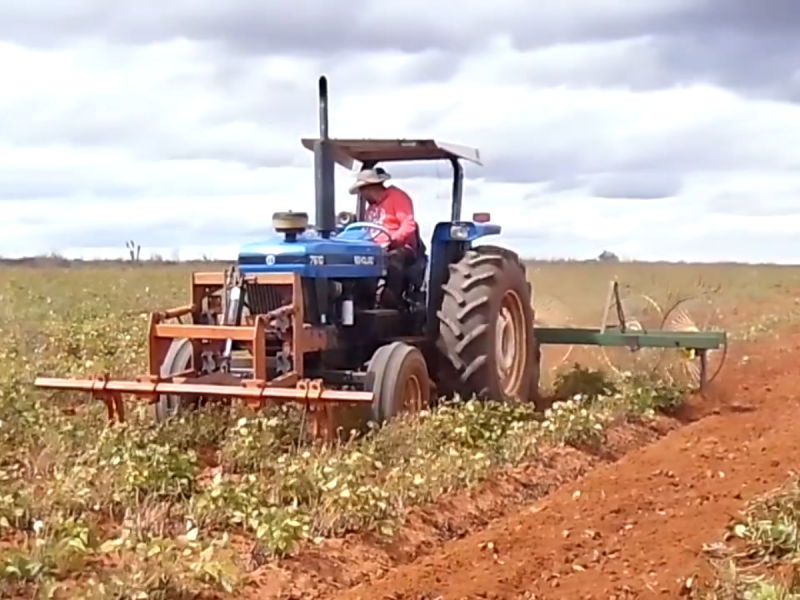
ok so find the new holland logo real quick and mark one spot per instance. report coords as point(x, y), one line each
point(270, 260)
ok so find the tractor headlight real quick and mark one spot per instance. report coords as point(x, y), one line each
point(459, 232)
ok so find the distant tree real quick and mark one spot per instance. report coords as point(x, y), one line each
point(134, 250)
point(608, 256)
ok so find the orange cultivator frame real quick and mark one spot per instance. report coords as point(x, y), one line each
point(285, 324)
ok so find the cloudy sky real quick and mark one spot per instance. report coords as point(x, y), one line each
point(661, 129)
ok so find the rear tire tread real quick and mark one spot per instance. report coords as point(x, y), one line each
point(467, 314)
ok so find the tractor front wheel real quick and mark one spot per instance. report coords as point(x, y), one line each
point(179, 358)
point(400, 381)
point(486, 327)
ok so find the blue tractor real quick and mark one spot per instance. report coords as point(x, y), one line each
point(466, 323)
point(299, 318)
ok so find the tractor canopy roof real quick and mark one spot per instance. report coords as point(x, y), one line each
point(347, 152)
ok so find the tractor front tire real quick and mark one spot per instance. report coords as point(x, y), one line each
point(179, 358)
point(400, 382)
point(486, 339)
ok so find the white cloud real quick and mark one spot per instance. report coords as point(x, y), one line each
point(179, 145)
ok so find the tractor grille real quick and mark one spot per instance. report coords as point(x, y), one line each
point(252, 260)
point(262, 298)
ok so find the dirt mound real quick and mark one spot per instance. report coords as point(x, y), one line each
point(634, 528)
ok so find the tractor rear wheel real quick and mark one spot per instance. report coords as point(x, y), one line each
point(400, 382)
point(179, 358)
point(486, 327)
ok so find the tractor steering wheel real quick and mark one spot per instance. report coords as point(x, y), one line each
point(376, 229)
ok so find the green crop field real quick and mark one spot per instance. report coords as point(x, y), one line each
point(201, 503)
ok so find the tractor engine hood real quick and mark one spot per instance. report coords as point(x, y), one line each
point(310, 255)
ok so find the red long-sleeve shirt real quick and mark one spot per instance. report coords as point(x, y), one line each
point(395, 212)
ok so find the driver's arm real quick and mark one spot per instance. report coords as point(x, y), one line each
point(403, 210)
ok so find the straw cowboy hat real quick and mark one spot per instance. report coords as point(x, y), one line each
point(369, 177)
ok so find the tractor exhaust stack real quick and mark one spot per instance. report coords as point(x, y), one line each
point(324, 169)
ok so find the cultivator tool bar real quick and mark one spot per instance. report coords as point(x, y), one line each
point(637, 335)
point(254, 392)
point(195, 363)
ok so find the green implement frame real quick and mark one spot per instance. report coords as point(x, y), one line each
point(579, 336)
point(631, 335)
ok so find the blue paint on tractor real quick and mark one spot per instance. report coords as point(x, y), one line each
point(463, 231)
point(347, 255)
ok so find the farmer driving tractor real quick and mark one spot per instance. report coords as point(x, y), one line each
point(392, 208)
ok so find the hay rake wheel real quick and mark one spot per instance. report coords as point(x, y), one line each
point(631, 312)
point(693, 314)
